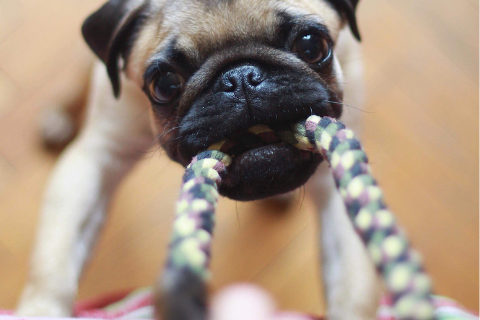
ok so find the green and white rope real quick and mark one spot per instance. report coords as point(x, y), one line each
point(398, 264)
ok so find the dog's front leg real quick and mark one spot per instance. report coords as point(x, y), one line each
point(115, 136)
point(350, 282)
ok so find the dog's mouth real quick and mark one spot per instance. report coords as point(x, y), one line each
point(263, 165)
point(256, 137)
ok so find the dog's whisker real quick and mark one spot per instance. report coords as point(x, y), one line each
point(349, 106)
point(164, 134)
point(334, 102)
point(177, 138)
point(365, 111)
point(154, 153)
point(238, 215)
point(163, 131)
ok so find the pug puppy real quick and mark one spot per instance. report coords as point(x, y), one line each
point(205, 70)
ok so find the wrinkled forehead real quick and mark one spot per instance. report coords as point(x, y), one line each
point(212, 24)
point(197, 28)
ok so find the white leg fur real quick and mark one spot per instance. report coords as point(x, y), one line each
point(115, 135)
point(351, 285)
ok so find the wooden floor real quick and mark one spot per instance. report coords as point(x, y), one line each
point(421, 136)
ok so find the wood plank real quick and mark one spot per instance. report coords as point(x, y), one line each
point(11, 17)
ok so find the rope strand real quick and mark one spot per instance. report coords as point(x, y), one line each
point(398, 264)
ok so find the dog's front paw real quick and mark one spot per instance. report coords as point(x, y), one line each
point(42, 307)
point(349, 315)
point(37, 301)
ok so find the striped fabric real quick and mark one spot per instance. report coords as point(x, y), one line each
point(138, 305)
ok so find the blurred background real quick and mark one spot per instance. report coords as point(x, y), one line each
point(421, 135)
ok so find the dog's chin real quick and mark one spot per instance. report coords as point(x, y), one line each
point(268, 171)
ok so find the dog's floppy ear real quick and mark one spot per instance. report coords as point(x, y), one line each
point(110, 31)
point(347, 8)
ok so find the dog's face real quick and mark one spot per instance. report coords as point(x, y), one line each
point(214, 68)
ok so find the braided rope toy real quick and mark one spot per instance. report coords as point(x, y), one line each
point(184, 282)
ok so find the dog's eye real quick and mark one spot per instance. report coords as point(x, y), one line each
point(165, 87)
point(312, 48)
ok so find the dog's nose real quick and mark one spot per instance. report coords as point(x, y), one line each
point(241, 77)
